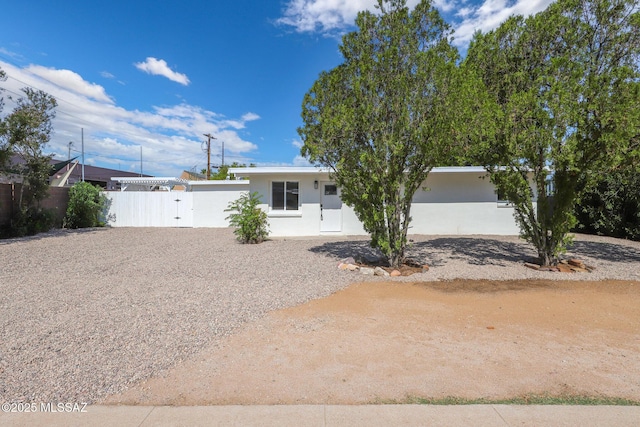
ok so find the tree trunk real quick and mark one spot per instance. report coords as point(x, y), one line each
point(545, 258)
point(395, 260)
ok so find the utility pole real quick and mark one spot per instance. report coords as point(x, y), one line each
point(82, 136)
point(209, 138)
point(69, 159)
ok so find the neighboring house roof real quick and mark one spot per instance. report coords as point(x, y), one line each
point(193, 176)
point(92, 174)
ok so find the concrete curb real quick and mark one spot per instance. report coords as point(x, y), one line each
point(333, 415)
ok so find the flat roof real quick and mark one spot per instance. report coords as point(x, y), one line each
point(295, 170)
point(278, 170)
point(219, 182)
point(150, 180)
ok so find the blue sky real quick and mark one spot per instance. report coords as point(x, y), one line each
point(160, 74)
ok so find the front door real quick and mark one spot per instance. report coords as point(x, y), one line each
point(330, 207)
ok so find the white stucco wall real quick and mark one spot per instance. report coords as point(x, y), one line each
point(211, 198)
point(303, 222)
point(460, 203)
point(453, 201)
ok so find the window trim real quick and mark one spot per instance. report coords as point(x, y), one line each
point(502, 203)
point(284, 209)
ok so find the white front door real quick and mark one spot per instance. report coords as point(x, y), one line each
point(330, 207)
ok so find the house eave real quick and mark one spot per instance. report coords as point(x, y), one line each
point(280, 170)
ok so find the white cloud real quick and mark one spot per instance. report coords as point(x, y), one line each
point(297, 143)
point(490, 14)
point(107, 75)
point(10, 54)
point(68, 80)
point(325, 16)
point(331, 16)
point(249, 117)
point(171, 136)
point(159, 67)
point(445, 5)
point(464, 12)
point(301, 161)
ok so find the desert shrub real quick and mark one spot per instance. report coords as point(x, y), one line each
point(30, 221)
point(86, 204)
point(611, 207)
point(250, 222)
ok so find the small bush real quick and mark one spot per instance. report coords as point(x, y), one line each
point(30, 221)
point(249, 220)
point(86, 203)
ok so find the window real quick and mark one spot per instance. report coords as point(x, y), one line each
point(502, 200)
point(284, 195)
point(330, 190)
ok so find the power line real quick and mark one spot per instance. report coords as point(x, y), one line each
point(92, 122)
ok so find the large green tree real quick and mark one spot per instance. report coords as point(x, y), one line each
point(567, 84)
point(26, 132)
point(383, 118)
point(611, 205)
point(5, 152)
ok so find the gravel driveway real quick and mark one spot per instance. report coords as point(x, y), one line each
point(84, 314)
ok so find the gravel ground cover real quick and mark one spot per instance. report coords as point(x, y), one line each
point(84, 314)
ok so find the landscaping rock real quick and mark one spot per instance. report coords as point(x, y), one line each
point(425, 268)
point(348, 260)
point(395, 273)
point(367, 271)
point(576, 263)
point(352, 267)
point(564, 268)
point(379, 271)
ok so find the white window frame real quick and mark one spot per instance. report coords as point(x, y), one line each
point(284, 209)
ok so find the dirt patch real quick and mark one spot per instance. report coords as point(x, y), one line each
point(378, 341)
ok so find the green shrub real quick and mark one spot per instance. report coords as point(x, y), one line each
point(611, 207)
point(30, 221)
point(86, 204)
point(249, 220)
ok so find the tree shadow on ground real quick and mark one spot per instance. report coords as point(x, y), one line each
point(605, 251)
point(435, 252)
point(360, 250)
point(475, 251)
point(56, 232)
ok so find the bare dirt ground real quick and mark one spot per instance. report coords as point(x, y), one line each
point(379, 341)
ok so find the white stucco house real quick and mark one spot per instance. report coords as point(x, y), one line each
point(303, 201)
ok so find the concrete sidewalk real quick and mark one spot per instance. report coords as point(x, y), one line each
point(334, 415)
